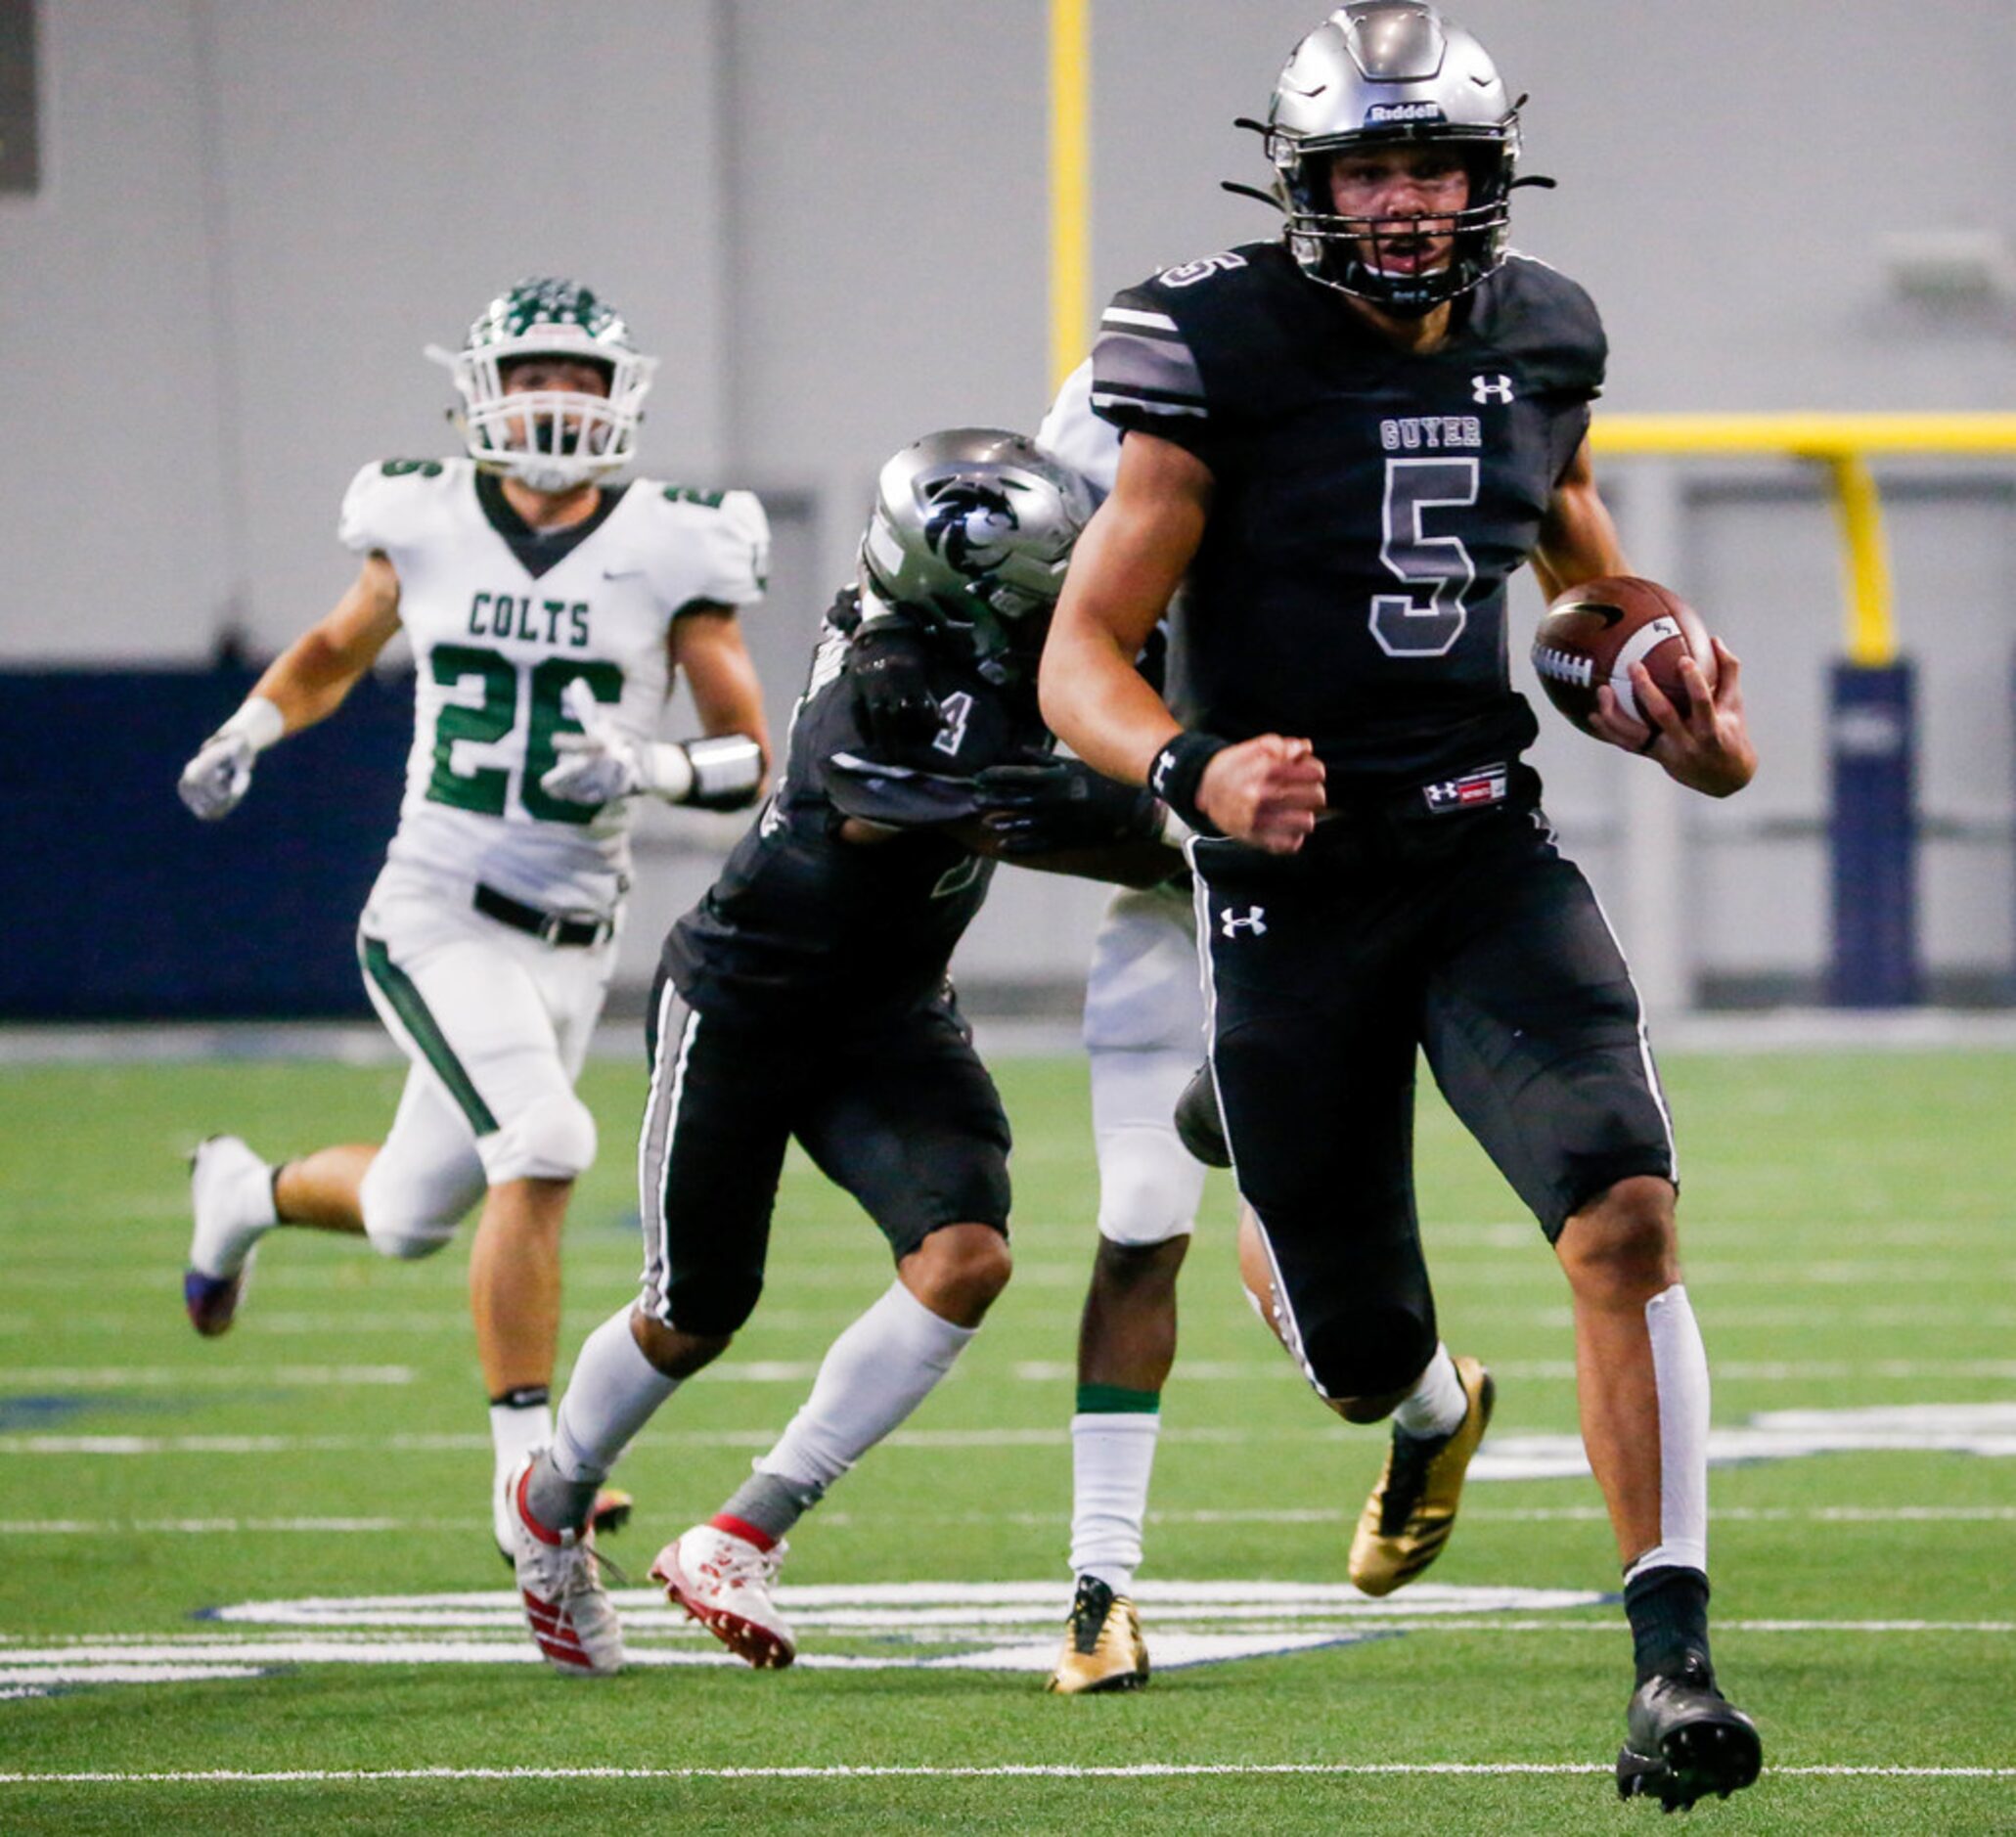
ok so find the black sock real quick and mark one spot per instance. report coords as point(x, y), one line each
point(1668, 1611)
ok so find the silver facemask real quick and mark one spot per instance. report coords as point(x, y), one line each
point(1375, 73)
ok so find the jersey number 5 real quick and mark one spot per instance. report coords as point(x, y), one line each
point(1438, 569)
point(492, 719)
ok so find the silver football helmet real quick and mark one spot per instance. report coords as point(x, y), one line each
point(550, 440)
point(1373, 74)
point(971, 532)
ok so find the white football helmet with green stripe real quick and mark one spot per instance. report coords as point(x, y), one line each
point(550, 440)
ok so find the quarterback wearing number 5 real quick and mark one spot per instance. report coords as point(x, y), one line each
point(550, 611)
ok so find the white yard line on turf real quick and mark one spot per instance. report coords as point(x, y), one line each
point(1562, 1371)
point(1536, 1514)
point(452, 1318)
point(94, 1377)
point(222, 1527)
point(1145, 1769)
point(1315, 1515)
point(1507, 1273)
point(1987, 1430)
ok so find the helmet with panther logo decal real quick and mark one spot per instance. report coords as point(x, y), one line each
point(551, 440)
point(971, 532)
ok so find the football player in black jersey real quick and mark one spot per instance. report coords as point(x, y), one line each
point(1348, 440)
point(806, 996)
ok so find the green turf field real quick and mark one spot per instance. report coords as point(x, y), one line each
point(1850, 1253)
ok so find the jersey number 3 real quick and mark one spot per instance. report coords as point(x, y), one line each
point(1427, 621)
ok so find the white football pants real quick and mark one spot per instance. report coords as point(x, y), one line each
point(497, 1026)
point(1144, 1036)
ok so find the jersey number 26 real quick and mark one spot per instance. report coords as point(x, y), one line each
point(484, 789)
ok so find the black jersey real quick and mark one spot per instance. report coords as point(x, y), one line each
point(802, 926)
point(1370, 503)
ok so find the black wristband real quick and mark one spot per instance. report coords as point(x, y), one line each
point(1179, 770)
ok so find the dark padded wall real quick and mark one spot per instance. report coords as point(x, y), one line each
point(121, 905)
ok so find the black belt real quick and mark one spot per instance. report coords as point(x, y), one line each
point(549, 927)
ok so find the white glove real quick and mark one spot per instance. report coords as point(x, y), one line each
point(602, 762)
point(213, 783)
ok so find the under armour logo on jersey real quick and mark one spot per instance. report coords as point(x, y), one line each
point(1497, 388)
point(1255, 921)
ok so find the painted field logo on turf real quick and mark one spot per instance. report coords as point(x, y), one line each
point(1983, 1429)
point(899, 1626)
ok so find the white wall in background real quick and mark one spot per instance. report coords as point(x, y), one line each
point(831, 219)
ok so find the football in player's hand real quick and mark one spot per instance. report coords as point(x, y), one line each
point(1592, 635)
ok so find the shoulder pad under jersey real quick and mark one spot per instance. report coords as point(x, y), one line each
point(1172, 352)
point(1075, 436)
point(707, 546)
point(396, 504)
point(1549, 322)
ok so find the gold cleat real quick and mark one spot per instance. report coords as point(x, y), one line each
point(1413, 1510)
point(1104, 1649)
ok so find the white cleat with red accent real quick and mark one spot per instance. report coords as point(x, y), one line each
point(573, 1623)
point(724, 1583)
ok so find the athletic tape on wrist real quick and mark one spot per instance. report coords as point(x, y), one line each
point(725, 771)
point(1179, 770)
point(257, 721)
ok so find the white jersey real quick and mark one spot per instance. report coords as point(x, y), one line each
point(1073, 434)
point(502, 620)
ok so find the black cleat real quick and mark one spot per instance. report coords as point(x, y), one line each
point(1684, 1739)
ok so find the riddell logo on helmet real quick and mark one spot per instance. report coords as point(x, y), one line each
point(1380, 114)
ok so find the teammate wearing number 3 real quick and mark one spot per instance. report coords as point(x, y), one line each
point(1346, 442)
point(550, 611)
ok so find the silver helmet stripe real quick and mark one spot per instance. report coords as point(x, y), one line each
point(1376, 72)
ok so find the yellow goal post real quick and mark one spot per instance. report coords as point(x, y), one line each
point(1845, 444)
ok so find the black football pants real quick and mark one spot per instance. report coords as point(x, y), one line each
point(1466, 935)
point(899, 1112)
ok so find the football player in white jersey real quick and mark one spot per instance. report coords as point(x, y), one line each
point(549, 611)
point(1143, 1038)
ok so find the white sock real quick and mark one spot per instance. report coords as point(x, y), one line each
point(1437, 1402)
point(1679, 1375)
point(872, 1376)
point(611, 1395)
point(1112, 1455)
point(514, 1431)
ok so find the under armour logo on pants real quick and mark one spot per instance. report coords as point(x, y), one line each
point(1229, 922)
